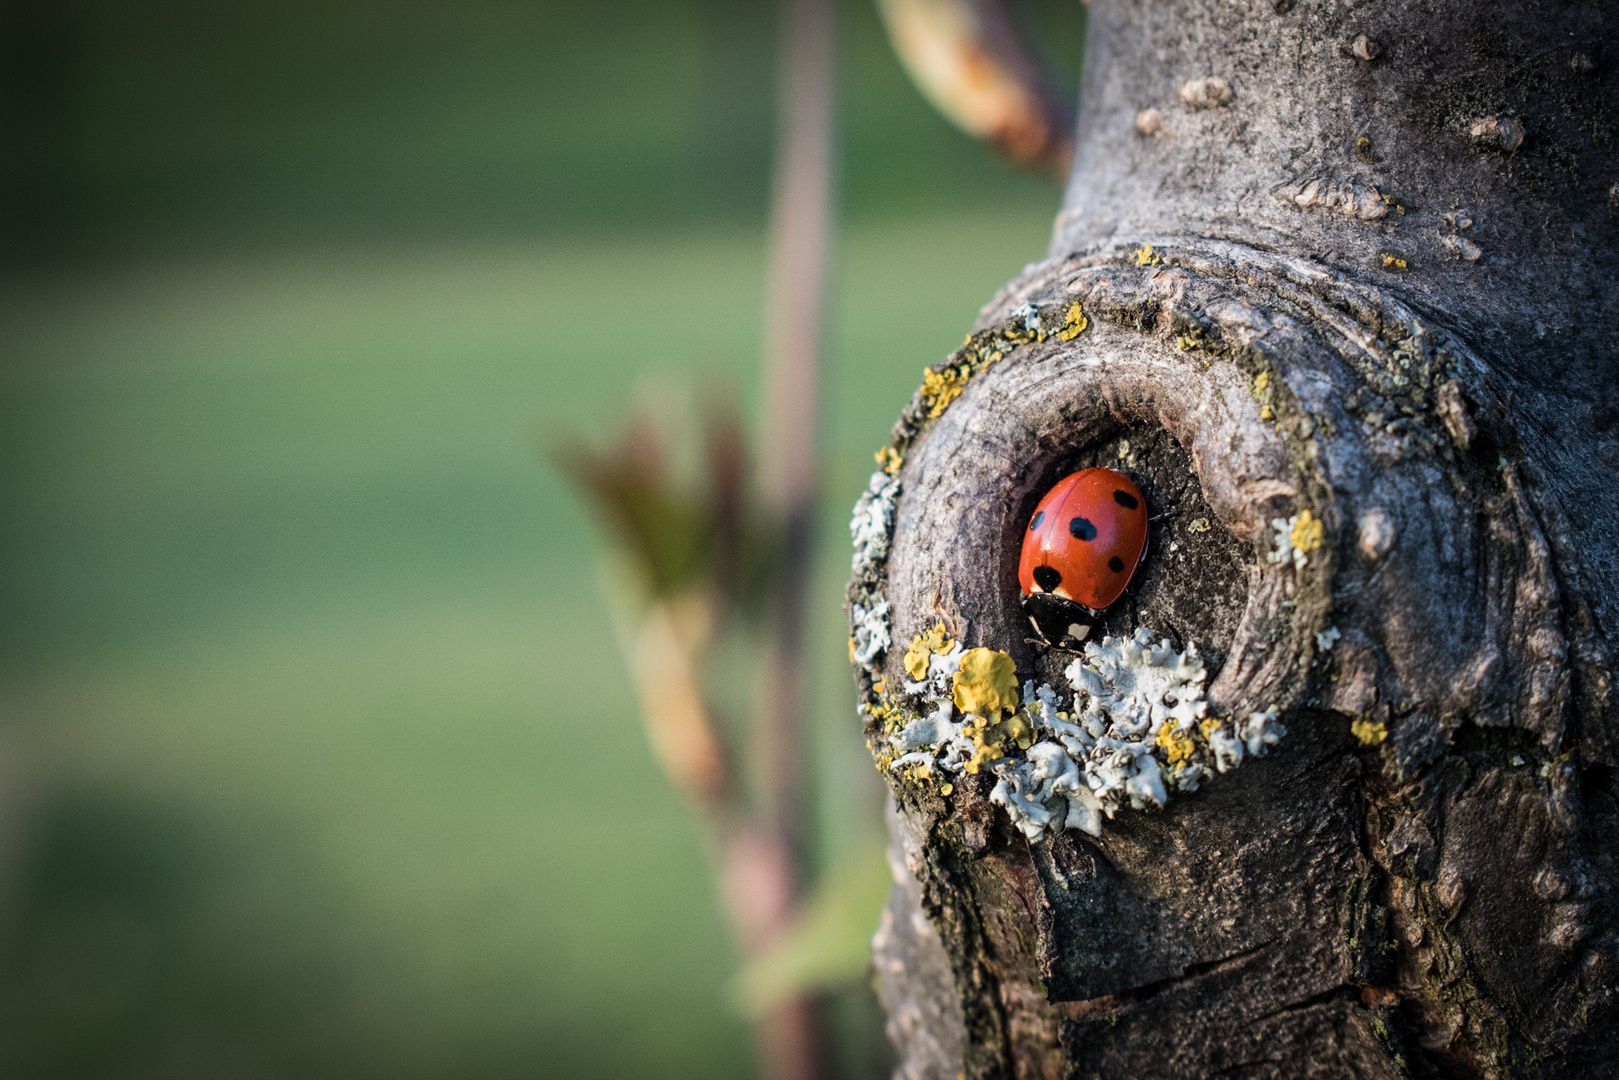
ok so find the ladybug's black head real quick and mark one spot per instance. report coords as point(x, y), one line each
point(1059, 622)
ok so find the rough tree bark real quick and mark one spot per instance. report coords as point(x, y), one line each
point(1336, 257)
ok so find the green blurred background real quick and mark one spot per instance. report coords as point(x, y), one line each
point(305, 678)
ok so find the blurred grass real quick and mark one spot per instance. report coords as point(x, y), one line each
point(316, 753)
point(305, 660)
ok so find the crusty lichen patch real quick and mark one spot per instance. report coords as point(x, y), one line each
point(1262, 394)
point(923, 648)
point(872, 525)
point(941, 386)
point(1135, 728)
point(1296, 537)
point(1371, 732)
point(943, 383)
point(871, 638)
point(1074, 322)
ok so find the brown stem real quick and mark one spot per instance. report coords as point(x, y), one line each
point(801, 215)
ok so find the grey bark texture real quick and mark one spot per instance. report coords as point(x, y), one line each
point(1382, 286)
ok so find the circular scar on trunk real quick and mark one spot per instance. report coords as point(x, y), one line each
point(1181, 678)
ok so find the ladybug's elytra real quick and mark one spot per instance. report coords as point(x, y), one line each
point(1081, 549)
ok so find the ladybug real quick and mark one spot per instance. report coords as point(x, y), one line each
point(1080, 551)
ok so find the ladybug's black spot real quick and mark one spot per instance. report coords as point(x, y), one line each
point(1082, 529)
point(1125, 499)
point(1047, 577)
point(1115, 564)
point(1038, 518)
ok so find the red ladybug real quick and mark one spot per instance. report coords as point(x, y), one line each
point(1080, 550)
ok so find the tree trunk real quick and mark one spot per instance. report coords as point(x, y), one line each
point(1335, 284)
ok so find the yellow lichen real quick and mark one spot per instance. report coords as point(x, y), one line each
point(985, 687)
point(919, 773)
point(890, 460)
point(1179, 746)
point(1019, 334)
point(1262, 393)
point(1019, 730)
point(989, 739)
point(1392, 261)
point(916, 655)
point(986, 683)
point(1198, 525)
point(946, 789)
point(1370, 732)
point(1209, 727)
point(940, 388)
point(984, 753)
point(1074, 323)
point(1146, 257)
point(888, 714)
point(1306, 532)
point(987, 745)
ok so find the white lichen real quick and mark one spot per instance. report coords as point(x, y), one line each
point(1327, 638)
point(1029, 316)
point(1137, 685)
point(1135, 728)
point(943, 730)
point(1127, 691)
point(872, 526)
point(1260, 732)
point(1282, 544)
point(1227, 750)
point(871, 638)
